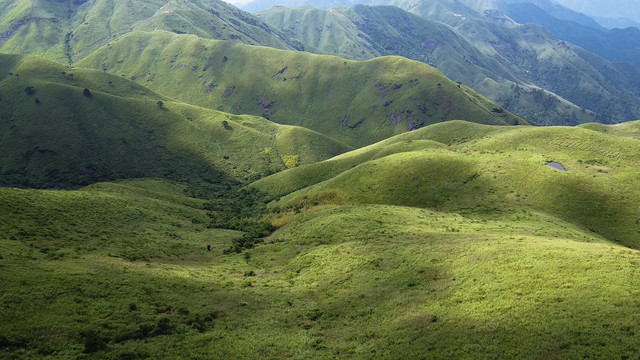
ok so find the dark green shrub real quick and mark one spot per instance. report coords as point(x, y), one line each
point(164, 326)
point(93, 342)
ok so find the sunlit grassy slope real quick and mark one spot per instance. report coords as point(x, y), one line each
point(56, 134)
point(122, 271)
point(473, 168)
point(357, 103)
point(67, 31)
point(364, 32)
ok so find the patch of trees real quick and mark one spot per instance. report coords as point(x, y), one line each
point(95, 341)
point(240, 210)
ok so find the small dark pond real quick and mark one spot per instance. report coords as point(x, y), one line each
point(556, 165)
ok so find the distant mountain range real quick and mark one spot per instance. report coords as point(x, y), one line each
point(620, 10)
point(482, 47)
point(550, 75)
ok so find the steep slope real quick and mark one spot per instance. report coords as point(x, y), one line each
point(486, 169)
point(523, 68)
point(616, 45)
point(384, 30)
point(69, 30)
point(64, 127)
point(609, 89)
point(323, 32)
point(356, 103)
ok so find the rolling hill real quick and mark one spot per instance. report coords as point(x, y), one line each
point(65, 127)
point(173, 196)
point(471, 168)
point(521, 67)
point(356, 103)
point(478, 266)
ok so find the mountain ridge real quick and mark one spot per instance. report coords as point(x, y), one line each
point(68, 127)
point(353, 102)
point(509, 64)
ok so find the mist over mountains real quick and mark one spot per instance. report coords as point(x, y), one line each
point(623, 9)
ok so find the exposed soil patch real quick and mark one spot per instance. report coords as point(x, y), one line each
point(265, 104)
point(382, 89)
point(228, 91)
point(602, 169)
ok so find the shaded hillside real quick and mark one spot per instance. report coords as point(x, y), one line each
point(65, 127)
point(463, 167)
point(616, 44)
point(69, 30)
point(356, 103)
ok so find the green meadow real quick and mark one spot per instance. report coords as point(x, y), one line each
point(452, 241)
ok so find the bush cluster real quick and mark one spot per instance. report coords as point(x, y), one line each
point(240, 210)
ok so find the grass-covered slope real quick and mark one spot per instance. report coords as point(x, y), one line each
point(607, 88)
point(122, 271)
point(323, 31)
point(357, 103)
point(522, 68)
point(69, 30)
point(57, 134)
point(389, 30)
point(485, 169)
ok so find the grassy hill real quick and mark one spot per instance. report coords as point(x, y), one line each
point(356, 103)
point(484, 170)
point(604, 87)
point(69, 30)
point(122, 271)
point(57, 134)
point(170, 230)
point(522, 68)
